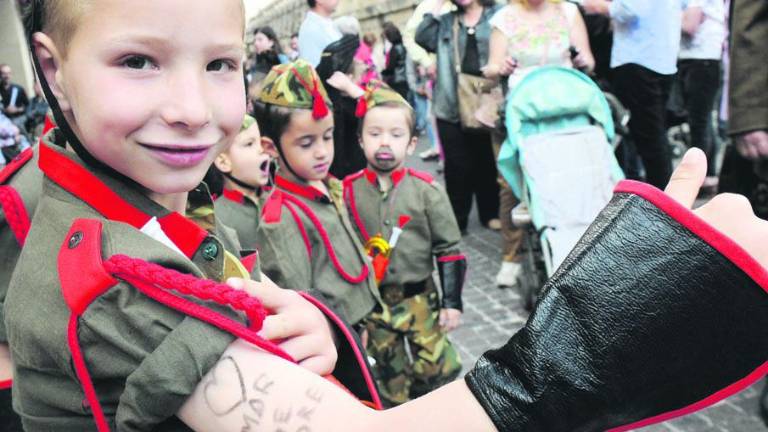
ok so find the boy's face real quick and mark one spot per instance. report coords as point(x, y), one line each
point(246, 159)
point(154, 89)
point(386, 138)
point(307, 145)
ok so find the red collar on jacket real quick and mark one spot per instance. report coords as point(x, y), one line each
point(396, 176)
point(234, 195)
point(77, 180)
point(302, 190)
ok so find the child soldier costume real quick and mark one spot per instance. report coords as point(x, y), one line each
point(238, 210)
point(306, 239)
point(417, 209)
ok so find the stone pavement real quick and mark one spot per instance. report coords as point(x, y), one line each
point(492, 316)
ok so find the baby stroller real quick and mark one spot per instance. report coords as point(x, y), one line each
point(558, 159)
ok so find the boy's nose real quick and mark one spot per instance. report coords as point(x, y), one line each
point(186, 104)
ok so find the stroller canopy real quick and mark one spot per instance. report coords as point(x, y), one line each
point(548, 99)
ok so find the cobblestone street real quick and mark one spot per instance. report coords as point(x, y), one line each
point(493, 315)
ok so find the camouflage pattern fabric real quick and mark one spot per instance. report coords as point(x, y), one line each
point(377, 93)
point(415, 319)
point(293, 85)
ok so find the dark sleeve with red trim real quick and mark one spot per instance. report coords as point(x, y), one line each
point(446, 238)
point(653, 315)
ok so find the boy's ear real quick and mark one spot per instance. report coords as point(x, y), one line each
point(269, 147)
point(412, 145)
point(50, 65)
point(223, 163)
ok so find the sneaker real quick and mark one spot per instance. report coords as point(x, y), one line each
point(430, 154)
point(507, 276)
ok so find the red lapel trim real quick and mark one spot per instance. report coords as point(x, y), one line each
point(349, 197)
point(83, 184)
point(301, 190)
point(233, 195)
point(396, 176)
point(15, 164)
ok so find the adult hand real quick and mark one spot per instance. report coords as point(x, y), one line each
point(450, 319)
point(753, 145)
point(600, 7)
point(508, 67)
point(730, 214)
point(344, 84)
point(297, 326)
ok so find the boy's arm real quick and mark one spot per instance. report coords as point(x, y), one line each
point(451, 264)
point(249, 390)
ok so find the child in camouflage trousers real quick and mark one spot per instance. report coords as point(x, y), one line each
point(405, 219)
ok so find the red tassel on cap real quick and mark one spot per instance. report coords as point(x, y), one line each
point(319, 108)
point(362, 107)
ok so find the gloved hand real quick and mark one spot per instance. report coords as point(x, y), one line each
point(653, 315)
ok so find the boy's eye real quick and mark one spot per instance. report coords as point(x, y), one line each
point(138, 62)
point(221, 65)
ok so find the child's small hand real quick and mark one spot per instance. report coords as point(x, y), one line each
point(450, 319)
point(298, 327)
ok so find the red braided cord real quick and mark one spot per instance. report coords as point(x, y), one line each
point(15, 213)
point(150, 277)
point(327, 242)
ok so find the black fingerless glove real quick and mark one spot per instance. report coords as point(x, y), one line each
point(452, 274)
point(652, 313)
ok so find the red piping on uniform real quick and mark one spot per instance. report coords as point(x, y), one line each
point(78, 181)
point(15, 164)
point(84, 376)
point(350, 191)
point(6, 384)
point(302, 229)
point(234, 196)
point(15, 213)
point(327, 242)
point(369, 382)
point(450, 258)
point(298, 189)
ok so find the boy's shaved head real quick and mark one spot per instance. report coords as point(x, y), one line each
point(60, 20)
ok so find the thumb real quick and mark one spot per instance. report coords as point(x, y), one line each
point(686, 180)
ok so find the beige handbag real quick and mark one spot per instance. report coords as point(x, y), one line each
point(479, 98)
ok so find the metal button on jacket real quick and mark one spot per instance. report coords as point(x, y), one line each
point(210, 250)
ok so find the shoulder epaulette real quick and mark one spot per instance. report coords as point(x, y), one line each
point(423, 176)
point(15, 165)
point(272, 212)
point(353, 177)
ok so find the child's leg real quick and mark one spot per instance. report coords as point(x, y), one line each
point(392, 369)
point(435, 360)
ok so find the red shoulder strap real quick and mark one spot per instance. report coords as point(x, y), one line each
point(16, 164)
point(421, 175)
point(81, 269)
point(249, 261)
point(15, 213)
point(273, 208)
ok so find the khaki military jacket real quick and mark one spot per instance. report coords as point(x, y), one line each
point(307, 241)
point(241, 213)
point(748, 96)
point(430, 230)
point(20, 185)
point(143, 356)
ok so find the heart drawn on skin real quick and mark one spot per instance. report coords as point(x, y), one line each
point(224, 402)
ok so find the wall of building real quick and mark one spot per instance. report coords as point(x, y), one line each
point(13, 48)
